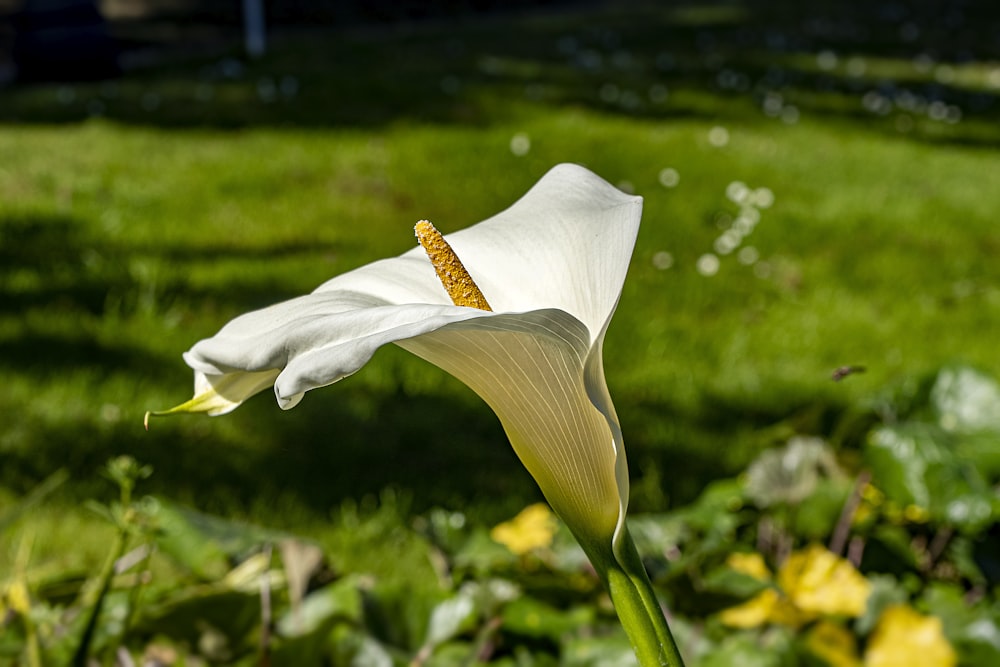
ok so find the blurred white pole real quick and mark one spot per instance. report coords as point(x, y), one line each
point(253, 28)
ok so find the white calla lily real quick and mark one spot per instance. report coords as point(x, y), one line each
point(551, 269)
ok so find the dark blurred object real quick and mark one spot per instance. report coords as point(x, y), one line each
point(63, 40)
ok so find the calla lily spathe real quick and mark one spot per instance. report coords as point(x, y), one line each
point(551, 266)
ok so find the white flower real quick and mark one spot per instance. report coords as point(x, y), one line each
point(551, 266)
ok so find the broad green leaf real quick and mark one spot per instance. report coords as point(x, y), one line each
point(913, 464)
point(481, 554)
point(339, 601)
point(568, 556)
point(346, 646)
point(817, 515)
point(791, 473)
point(447, 530)
point(217, 620)
point(727, 581)
point(966, 400)
point(454, 654)
point(531, 617)
point(888, 549)
point(885, 591)
point(745, 650)
point(975, 557)
point(453, 616)
point(715, 510)
point(983, 451)
point(898, 457)
point(371, 654)
point(203, 543)
point(657, 534)
point(598, 652)
point(396, 617)
point(303, 632)
point(974, 630)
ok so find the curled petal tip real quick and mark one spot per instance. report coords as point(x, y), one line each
point(145, 419)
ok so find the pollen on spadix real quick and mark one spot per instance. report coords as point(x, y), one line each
point(450, 271)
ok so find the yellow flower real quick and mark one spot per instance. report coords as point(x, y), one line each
point(872, 495)
point(533, 528)
point(833, 644)
point(916, 514)
point(768, 606)
point(18, 597)
point(819, 582)
point(812, 582)
point(751, 564)
point(903, 638)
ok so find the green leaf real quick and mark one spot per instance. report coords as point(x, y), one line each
point(447, 530)
point(657, 533)
point(973, 629)
point(746, 650)
point(203, 543)
point(913, 464)
point(396, 617)
point(453, 616)
point(817, 515)
point(966, 400)
point(531, 617)
point(885, 591)
point(889, 549)
point(716, 507)
point(598, 652)
point(371, 654)
point(339, 601)
point(453, 654)
point(727, 581)
point(303, 632)
point(982, 450)
point(481, 554)
point(217, 620)
point(791, 473)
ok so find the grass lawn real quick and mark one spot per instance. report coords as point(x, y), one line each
point(138, 216)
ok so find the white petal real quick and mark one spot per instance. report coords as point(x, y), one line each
point(315, 340)
point(565, 244)
point(600, 398)
point(537, 373)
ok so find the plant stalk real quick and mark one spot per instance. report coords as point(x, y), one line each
point(635, 602)
point(638, 609)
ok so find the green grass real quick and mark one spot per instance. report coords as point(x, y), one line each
point(127, 236)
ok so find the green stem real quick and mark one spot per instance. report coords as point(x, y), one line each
point(638, 609)
point(96, 601)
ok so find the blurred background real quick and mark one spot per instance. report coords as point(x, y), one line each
point(819, 237)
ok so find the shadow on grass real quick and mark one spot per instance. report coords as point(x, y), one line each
point(311, 459)
point(49, 262)
point(348, 442)
point(907, 69)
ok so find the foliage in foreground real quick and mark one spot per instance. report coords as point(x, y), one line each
point(881, 550)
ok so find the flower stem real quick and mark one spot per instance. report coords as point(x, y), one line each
point(638, 609)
